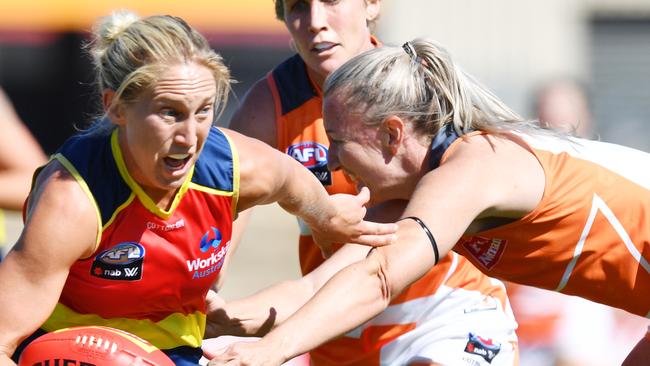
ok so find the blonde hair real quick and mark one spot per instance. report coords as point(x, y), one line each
point(129, 52)
point(424, 87)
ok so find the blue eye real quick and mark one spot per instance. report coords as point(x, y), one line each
point(206, 109)
point(167, 112)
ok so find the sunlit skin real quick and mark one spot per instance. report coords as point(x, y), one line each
point(383, 158)
point(162, 133)
point(328, 33)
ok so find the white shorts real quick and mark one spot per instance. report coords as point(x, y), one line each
point(454, 327)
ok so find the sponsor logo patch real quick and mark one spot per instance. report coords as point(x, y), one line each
point(211, 239)
point(123, 262)
point(165, 227)
point(312, 156)
point(210, 242)
point(485, 348)
point(486, 251)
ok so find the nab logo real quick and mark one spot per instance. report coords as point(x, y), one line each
point(310, 154)
point(486, 348)
point(211, 240)
point(122, 262)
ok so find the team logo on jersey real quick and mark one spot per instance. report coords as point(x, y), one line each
point(487, 251)
point(485, 348)
point(122, 262)
point(312, 156)
point(211, 239)
point(211, 242)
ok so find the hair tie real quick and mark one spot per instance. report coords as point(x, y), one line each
point(410, 51)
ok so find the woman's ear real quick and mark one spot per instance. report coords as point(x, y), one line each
point(112, 110)
point(372, 10)
point(392, 134)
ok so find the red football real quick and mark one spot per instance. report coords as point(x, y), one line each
point(92, 346)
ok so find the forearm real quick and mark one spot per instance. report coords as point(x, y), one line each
point(354, 295)
point(303, 195)
point(257, 314)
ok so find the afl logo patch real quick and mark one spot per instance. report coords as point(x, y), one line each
point(310, 154)
point(121, 262)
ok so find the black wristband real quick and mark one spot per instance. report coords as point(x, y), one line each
point(428, 232)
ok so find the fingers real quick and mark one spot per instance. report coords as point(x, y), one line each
point(375, 240)
point(376, 228)
point(211, 353)
point(376, 234)
point(364, 195)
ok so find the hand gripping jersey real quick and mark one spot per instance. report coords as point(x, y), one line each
point(433, 318)
point(590, 234)
point(152, 268)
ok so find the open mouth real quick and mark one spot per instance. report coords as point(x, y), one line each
point(323, 47)
point(177, 162)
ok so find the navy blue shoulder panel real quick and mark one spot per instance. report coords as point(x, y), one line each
point(293, 84)
point(440, 143)
point(91, 155)
point(215, 167)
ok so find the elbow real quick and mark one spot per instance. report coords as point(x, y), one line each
point(380, 269)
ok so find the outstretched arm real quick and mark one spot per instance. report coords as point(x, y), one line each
point(448, 206)
point(256, 315)
point(267, 176)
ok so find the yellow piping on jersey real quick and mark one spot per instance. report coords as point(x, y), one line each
point(82, 183)
point(144, 198)
point(235, 174)
point(118, 210)
point(209, 190)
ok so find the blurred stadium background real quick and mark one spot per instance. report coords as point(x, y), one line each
point(512, 46)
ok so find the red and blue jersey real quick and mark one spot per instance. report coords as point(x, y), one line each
point(152, 268)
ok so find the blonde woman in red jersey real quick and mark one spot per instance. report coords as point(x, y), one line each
point(522, 203)
point(284, 109)
point(129, 223)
